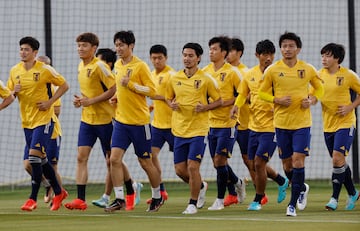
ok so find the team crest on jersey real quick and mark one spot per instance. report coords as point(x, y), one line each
point(88, 74)
point(128, 73)
point(160, 79)
point(301, 73)
point(339, 81)
point(222, 77)
point(252, 79)
point(36, 76)
point(197, 84)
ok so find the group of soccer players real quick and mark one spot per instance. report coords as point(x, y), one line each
point(261, 108)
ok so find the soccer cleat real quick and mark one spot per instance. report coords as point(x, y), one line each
point(48, 194)
point(155, 205)
point(29, 205)
point(350, 204)
point(332, 205)
point(217, 205)
point(254, 206)
point(240, 189)
point(164, 196)
point(202, 196)
point(102, 202)
point(137, 188)
point(264, 200)
point(57, 200)
point(291, 211)
point(302, 200)
point(190, 209)
point(76, 204)
point(282, 191)
point(130, 201)
point(117, 204)
point(230, 199)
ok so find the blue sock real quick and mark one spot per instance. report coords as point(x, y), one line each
point(49, 174)
point(289, 175)
point(162, 187)
point(279, 179)
point(222, 178)
point(337, 178)
point(36, 176)
point(233, 179)
point(297, 180)
point(348, 183)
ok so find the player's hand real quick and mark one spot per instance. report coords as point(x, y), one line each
point(174, 105)
point(124, 81)
point(76, 101)
point(284, 101)
point(200, 107)
point(343, 110)
point(43, 105)
point(85, 101)
point(234, 112)
point(305, 103)
point(113, 101)
point(17, 88)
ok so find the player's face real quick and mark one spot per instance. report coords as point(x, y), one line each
point(215, 53)
point(158, 60)
point(265, 60)
point(190, 59)
point(85, 50)
point(122, 49)
point(289, 50)
point(27, 54)
point(232, 56)
point(328, 61)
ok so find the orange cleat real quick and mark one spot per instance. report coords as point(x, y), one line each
point(29, 205)
point(230, 199)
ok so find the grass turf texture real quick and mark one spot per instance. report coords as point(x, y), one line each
point(236, 217)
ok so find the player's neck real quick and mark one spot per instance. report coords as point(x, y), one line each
point(189, 72)
point(126, 60)
point(333, 69)
point(290, 62)
point(29, 64)
point(86, 61)
point(218, 64)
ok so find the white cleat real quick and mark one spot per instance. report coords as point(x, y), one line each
point(240, 189)
point(202, 196)
point(217, 205)
point(302, 200)
point(190, 209)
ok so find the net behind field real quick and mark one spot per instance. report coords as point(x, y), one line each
point(172, 23)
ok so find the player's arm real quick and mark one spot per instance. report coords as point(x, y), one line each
point(45, 105)
point(7, 101)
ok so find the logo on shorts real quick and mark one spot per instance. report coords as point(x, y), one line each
point(36, 76)
point(198, 157)
point(339, 81)
point(301, 73)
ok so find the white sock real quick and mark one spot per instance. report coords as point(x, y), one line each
point(119, 192)
point(155, 192)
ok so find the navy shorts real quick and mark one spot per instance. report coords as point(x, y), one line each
point(340, 140)
point(189, 148)
point(261, 144)
point(221, 141)
point(160, 136)
point(39, 137)
point(290, 141)
point(242, 138)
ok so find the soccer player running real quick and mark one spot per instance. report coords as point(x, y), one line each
point(339, 120)
point(242, 134)
point(187, 95)
point(132, 120)
point(109, 57)
point(262, 142)
point(97, 85)
point(288, 79)
point(30, 81)
point(222, 128)
point(161, 123)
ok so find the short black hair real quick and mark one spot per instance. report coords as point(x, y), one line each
point(337, 50)
point(237, 44)
point(107, 55)
point(127, 37)
point(290, 36)
point(265, 47)
point(223, 41)
point(158, 48)
point(196, 47)
point(31, 41)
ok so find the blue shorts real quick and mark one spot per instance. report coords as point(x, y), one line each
point(160, 136)
point(52, 150)
point(189, 148)
point(340, 140)
point(139, 135)
point(221, 141)
point(242, 138)
point(261, 144)
point(39, 137)
point(88, 135)
point(290, 141)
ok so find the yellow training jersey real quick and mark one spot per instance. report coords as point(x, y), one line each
point(293, 82)
point(243, 118)
point(35, 87)
point(228, 81)
point(57, 128)
point(162, 112)
point(337, 93)
point(4, 91)
point(188, 92)
point(94, 79)
point(261, 117)
point(132, 108)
